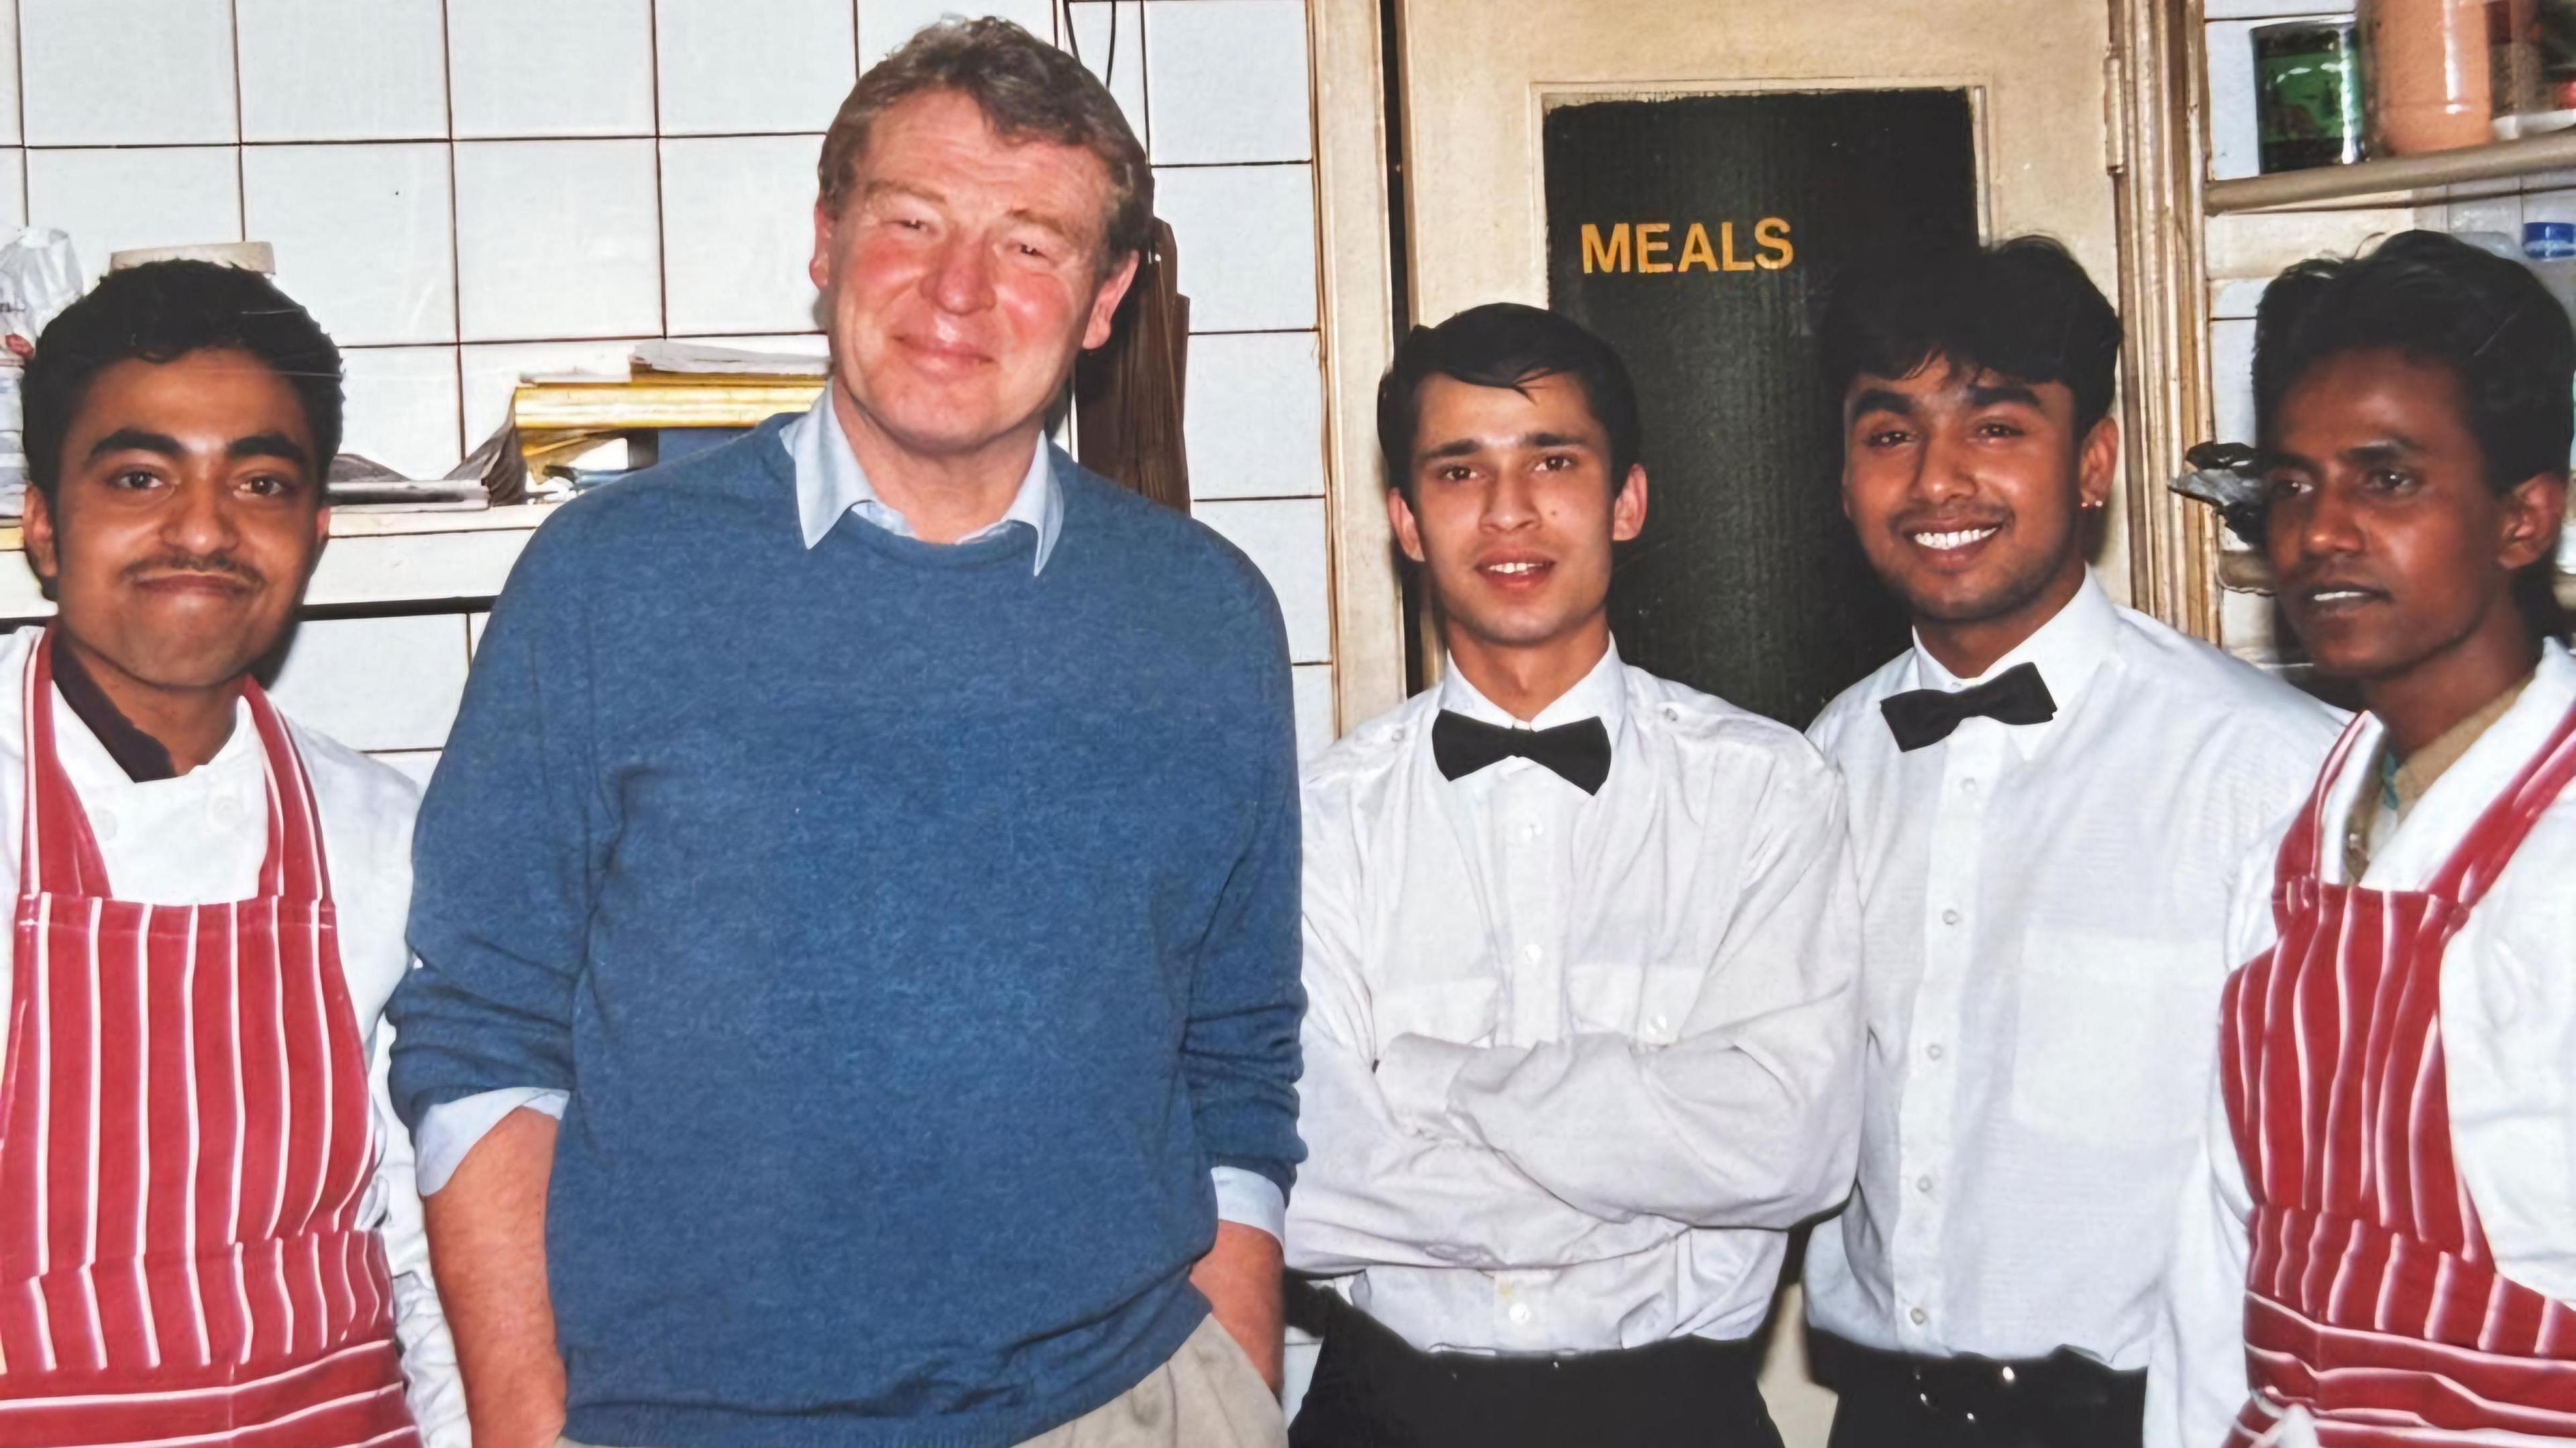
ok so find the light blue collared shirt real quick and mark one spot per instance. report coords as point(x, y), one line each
point(830, 483)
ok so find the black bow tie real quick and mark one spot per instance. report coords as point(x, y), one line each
point(1926, 716)
point(1579, 753)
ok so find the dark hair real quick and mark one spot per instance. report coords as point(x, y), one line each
point(162, 311)
point(2440, 301)
point(2024, 309)
point(1027, 90)
point(1505, 344)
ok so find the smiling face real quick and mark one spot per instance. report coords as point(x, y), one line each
point(1967, 492)
point(2394, 553)
point(963, 275)
point(185, 520)
point(1512, 512)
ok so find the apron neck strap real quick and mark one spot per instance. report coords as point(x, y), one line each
point(2490, 843)
point(58, 853)
point(2302, 848)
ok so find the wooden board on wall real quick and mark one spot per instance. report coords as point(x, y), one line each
point(1698, 234)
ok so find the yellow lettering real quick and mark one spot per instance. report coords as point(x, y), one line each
point(1650, 242)
point(1612, 256)
point(1695, 248)
point(1726, 239)
point(1771, 233)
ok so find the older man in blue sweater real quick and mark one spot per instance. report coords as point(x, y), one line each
point(857, 908)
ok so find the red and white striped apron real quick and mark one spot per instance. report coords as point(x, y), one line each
point(2371, 1298)
point(185, 1143)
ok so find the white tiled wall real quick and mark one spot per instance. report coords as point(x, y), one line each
point(463, 190)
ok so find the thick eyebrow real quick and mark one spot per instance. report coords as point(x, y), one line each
point(1055, 226)
point(135, 439)
point(269, 445)
point(1556, 439)
point(1881, 399)
point(2397, 447)
point(257, 445)
point(875, 189)
point(1470, 446)
point(1995, 394)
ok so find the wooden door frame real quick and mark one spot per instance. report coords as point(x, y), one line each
point(2156, 137)
point(1356, 276)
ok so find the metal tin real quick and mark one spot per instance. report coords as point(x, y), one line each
point(2307, 94)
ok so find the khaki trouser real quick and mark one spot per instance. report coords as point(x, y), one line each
point(1207, 1396)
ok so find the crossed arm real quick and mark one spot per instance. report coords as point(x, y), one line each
point(1433, 1154)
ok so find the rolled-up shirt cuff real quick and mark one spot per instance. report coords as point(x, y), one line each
point(1251, 1199)
point(450, 1130)
point(1415, 1074)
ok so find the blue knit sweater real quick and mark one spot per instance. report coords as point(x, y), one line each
point(913, 934)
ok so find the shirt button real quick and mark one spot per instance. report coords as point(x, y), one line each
point(1949, 917)
point(1659, 1021)
point(1531, 831)
point(1970, 785)
point(1933, 1051)
point(1918, 1317)
point(1531, 952)
point(225, 809)
point(1923, 1184)
point(1520, 1312)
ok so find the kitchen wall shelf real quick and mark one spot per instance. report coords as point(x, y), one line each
point(2396, 180)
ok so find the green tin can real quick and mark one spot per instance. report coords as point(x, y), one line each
point(2307, 94)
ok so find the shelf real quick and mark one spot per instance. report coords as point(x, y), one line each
point(2395, 181)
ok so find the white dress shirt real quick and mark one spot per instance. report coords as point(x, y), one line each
point(1574, 1063)
point(200, 839)
point(830, 483)
point(2508, 1003)
point(2046, 910)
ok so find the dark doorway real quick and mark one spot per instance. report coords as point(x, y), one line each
point(1697, 233)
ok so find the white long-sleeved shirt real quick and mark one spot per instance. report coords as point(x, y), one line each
point(2508, 1003)
point(1574, 1063)
point(2045, 911)
point(830, 484)
point(199, 839)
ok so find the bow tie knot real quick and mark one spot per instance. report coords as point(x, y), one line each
point(1920, 717)
point(1579, 753)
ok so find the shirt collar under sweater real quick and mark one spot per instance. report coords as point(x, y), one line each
point(830, 482)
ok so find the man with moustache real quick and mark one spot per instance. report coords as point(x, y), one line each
point(208, 1230)
point(2377, 1246)
point(2047, 793)
point(876, 841)
point(1582, 958)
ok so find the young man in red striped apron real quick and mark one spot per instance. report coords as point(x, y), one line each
point(209, 1236)
point(2382, 1249)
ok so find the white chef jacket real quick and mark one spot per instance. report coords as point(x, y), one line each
point(2045, 908)
point(1574, 1063)
point(200, 839)
point(2508, 1042)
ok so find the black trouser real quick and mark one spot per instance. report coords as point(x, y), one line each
point(2064, 1400)
point(1372, 1389)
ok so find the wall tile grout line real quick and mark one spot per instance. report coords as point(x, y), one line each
point(241, 178)
point(661, 219)
point(455, 233)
